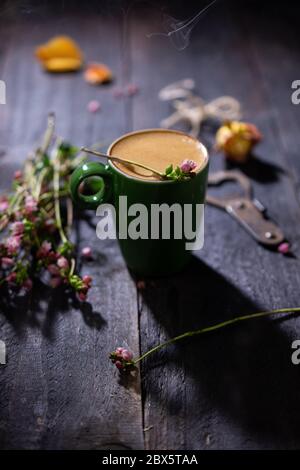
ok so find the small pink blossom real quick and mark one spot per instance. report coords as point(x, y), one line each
point(17, 228)
point(127, 355)
point(30, 205)
point(187, 166)
point(11, 278)
point(44, 249)
point(55, 281)
point(6, 262)
point(53, 269)
point(86, 252)
point(18, 175)
point(284, 248)
point(122, 358)
point(93, 106)
point(62, 262)
point(13, 244)
point(132, 89)
point(87, 280)
point(3, 205)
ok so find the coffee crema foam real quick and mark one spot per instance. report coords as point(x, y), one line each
point(157, 148)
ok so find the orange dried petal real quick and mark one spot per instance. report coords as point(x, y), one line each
point(62, 64)
point(97, 73)
point(59, 46)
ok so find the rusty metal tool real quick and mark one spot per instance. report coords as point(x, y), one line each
point(248, 211)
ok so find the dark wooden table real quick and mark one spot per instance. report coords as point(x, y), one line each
point(235, 389)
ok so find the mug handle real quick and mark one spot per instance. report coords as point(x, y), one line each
point(85, 171)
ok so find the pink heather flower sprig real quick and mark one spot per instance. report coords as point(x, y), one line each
point(182, 172)
point(124, 361)
point(34, 234)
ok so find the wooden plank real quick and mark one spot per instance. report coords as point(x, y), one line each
point(228, 390)
point(58, 389)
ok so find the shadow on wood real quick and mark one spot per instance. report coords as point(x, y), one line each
point(41, 307)
point(244, 371)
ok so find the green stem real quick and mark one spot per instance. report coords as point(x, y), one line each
point(56, 202)
point(47, 136)
point(39, 183)
point(49, 194)
point(123, 160)
point(72, 269)
point(217, 327)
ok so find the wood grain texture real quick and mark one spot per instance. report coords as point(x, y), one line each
point(58, 389)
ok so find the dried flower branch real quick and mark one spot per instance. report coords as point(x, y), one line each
point(124, 361)
point(34, 230)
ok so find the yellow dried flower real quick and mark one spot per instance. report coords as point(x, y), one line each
point(62, 64)
point(60, 54)
point(237, 139)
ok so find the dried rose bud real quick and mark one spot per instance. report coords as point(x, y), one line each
point(237, 139)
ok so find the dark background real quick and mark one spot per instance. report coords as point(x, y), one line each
point(236, 389)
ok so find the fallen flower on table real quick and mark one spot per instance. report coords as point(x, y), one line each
point(35, 232)
point(124, 360)
point(130, 90)
point(93, 106)
point(237, 139)
point(86, 253)
point(96, 73)
point(60, 54)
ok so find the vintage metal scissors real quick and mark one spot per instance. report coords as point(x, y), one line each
point(248, 211)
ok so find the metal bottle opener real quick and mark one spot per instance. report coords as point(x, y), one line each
point(248, 211)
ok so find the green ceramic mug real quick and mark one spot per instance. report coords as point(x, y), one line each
point(144, 256)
